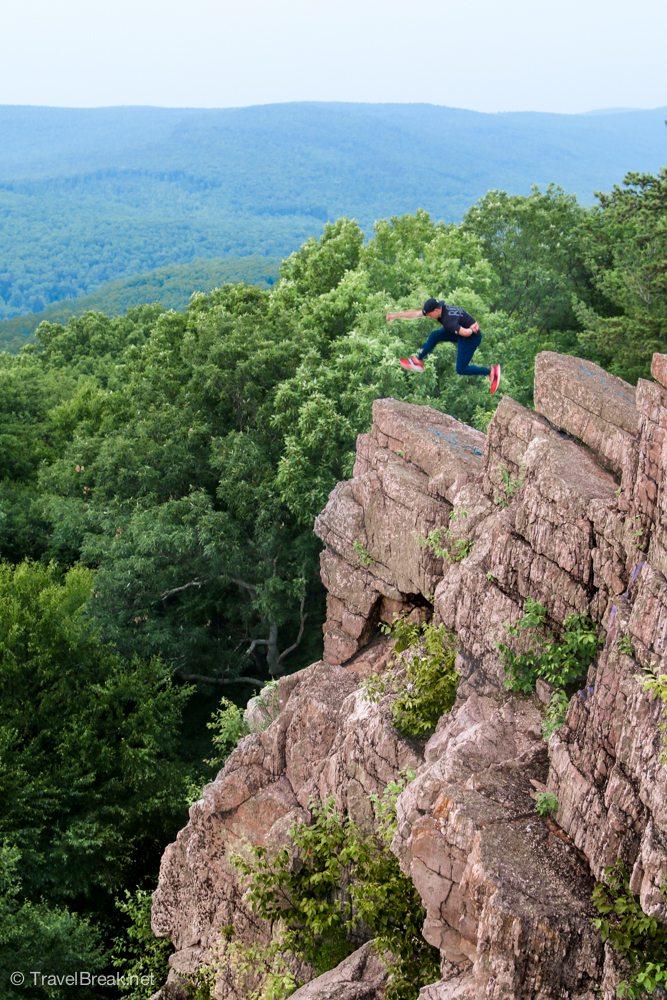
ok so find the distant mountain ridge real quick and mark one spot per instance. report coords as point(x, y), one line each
point(43, 141)
point(612, 111)
point(89, 196)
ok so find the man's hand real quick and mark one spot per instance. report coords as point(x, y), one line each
point(475, 327)
point(390, 317)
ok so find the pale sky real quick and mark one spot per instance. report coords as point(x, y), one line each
point(488, 55)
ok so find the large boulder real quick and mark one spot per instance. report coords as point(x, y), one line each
point(593, 406)
point(507, 900)
point(645, 484)
point(361, 976)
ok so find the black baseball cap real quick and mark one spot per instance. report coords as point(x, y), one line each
point(429, 306)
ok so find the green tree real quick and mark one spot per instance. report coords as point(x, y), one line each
point(28, 438)
point(90, 780)
point(534, 243)
point(168, 489)
point(36, 936)
point(625, 249)
point(138, 954)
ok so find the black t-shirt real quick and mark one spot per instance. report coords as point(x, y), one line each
point(453, 317)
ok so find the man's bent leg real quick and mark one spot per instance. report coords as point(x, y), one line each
point(465, 350)
point(435, 337)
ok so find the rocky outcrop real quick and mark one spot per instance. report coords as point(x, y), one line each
point(596, 408)
point(566, 505)
point(408, 469)
point(325, 741)
point(505, 896)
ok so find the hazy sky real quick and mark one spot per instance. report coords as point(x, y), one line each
point(570, 55)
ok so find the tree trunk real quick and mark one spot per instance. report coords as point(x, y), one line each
point(273, 660)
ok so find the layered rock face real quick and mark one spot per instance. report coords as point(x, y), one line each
point(566, 505)
point(407, 471)
point(325, 741)
point(605, 761)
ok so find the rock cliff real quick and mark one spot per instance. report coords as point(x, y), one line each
point(566, 505)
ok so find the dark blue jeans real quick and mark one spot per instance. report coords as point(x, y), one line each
point(466, 347)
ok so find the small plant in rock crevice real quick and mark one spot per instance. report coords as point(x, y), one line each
point(656, 684)
point(640, 941)
point(509, 488)
point(624, 645)
point(445, 544)
point(435, 541)
point(363, 555)
point(639, 533)
point(422, 679)
point(546, 804)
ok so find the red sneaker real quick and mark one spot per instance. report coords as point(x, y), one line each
point(413, 363)
point(495, 378)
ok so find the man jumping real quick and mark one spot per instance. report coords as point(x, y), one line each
point(458, 327)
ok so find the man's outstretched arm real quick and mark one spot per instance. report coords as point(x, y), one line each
point(410, 314)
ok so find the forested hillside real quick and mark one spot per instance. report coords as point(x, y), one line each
point(160, 473)
point(90, 196)
point(171, 287)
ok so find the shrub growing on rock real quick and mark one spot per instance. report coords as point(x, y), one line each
point(422, 680)
point(227, 726)
point(445, 544)
point(638, 939)
point(266, 965)
point(365, 558)
point(554, 716)
point(562, 662)
point(300, 885)
point(338, 886)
